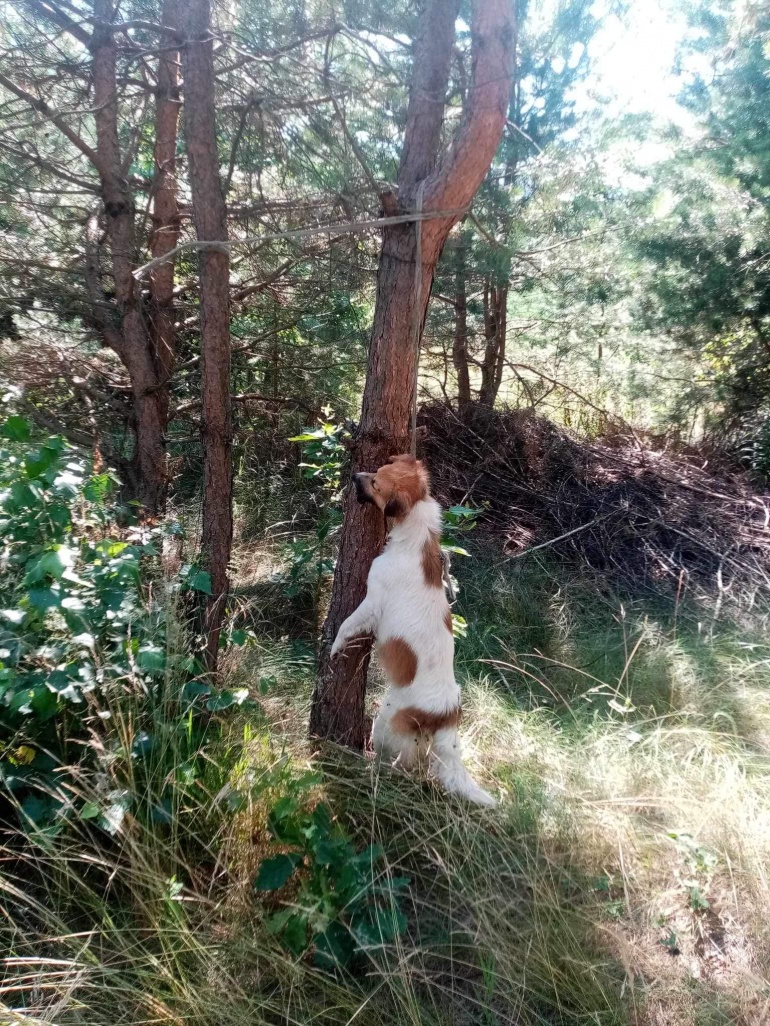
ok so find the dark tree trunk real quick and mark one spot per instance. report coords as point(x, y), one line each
point(128, 328)
point(210, 214)
point(338, 703)
point(165, 209)
point(460, 345)
point(495, 329)
point(130, 338)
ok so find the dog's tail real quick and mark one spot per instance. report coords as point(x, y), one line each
point(447, 767)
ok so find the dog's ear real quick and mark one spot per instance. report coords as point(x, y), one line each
point(404, 457)
point(396, 506)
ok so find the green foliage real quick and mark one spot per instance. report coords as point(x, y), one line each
point(81, 639)
point(324, 455)
point(311, 558)
point(342, 904)
point(697, 869)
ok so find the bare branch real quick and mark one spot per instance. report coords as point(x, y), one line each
point(54, 117)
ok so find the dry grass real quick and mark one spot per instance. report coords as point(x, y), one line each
point(622, 882)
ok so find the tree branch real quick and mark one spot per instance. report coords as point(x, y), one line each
point(54, 117)
point(454, 184)
point(53, 13)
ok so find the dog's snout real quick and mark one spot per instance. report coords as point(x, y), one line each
point(360, 482)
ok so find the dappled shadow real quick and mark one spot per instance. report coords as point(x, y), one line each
point(550, 639)
point(499, 929)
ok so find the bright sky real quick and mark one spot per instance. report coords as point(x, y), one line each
point(632, 60)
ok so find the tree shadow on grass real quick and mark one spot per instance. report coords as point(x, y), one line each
point(550, 638)
point(499, 927)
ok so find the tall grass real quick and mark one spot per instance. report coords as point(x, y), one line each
point(623, 880)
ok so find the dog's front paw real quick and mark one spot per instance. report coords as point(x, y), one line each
point(337, 647)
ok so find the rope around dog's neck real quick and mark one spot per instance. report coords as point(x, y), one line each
point(417, 313)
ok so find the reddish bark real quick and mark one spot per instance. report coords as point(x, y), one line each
point(338, 703)
point(210, 215)
point(131, 341)
point(165, 212)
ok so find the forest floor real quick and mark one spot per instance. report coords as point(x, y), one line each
point(617, 696)
point(624, 877)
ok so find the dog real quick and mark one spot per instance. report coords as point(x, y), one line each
point(407, 610)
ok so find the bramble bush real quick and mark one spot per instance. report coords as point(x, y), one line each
point(344, 904)
point(87, 677)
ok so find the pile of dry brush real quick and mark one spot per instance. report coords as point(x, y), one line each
point(641, 516)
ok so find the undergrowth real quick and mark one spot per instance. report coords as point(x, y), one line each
point(621, 881)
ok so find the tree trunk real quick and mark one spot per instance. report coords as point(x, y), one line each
point(460, 345)
point(165, 210)
point(131, 341)
point(210, 215)
point(123, 322)
point(495, 327)
point(449, 185)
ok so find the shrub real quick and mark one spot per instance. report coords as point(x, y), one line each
point(86, 675)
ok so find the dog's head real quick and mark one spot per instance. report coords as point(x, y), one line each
point(396, 487)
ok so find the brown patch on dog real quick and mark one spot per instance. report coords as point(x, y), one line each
point(397, 486)
point(412, 720)
point(399, 661)
point(432, 566)
point(448, 621)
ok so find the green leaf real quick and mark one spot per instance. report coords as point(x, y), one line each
point(111, 818)
point(334, 947)
point(195, 689)
point(16, 429)
point(199, 580)
point(308, 436)
point(698, 902)
point(90, 810)
point(44, 704)
point(274, 872)
point(97, 488)
point(295, 934)
point(221, 701)
point(151, 659)
point(43, 598)
point(161, 812)
point(370, 855)
point(52, 564)
point(38, 464)
point(328, 852)
point(35, 810)
point(389, 922)
point(278, 922)
point(456, 549)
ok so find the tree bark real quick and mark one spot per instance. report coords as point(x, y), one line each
point(210, 216)
point(449, 185)
point(460, 344)
point(132, 341)
point(165, 211)
point(495, 329)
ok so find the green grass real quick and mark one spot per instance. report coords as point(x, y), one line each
point(622, 881)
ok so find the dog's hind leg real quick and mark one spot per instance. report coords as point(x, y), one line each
point(402, 749)
point(446, 765)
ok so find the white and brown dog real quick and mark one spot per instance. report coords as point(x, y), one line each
point(408, 612)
